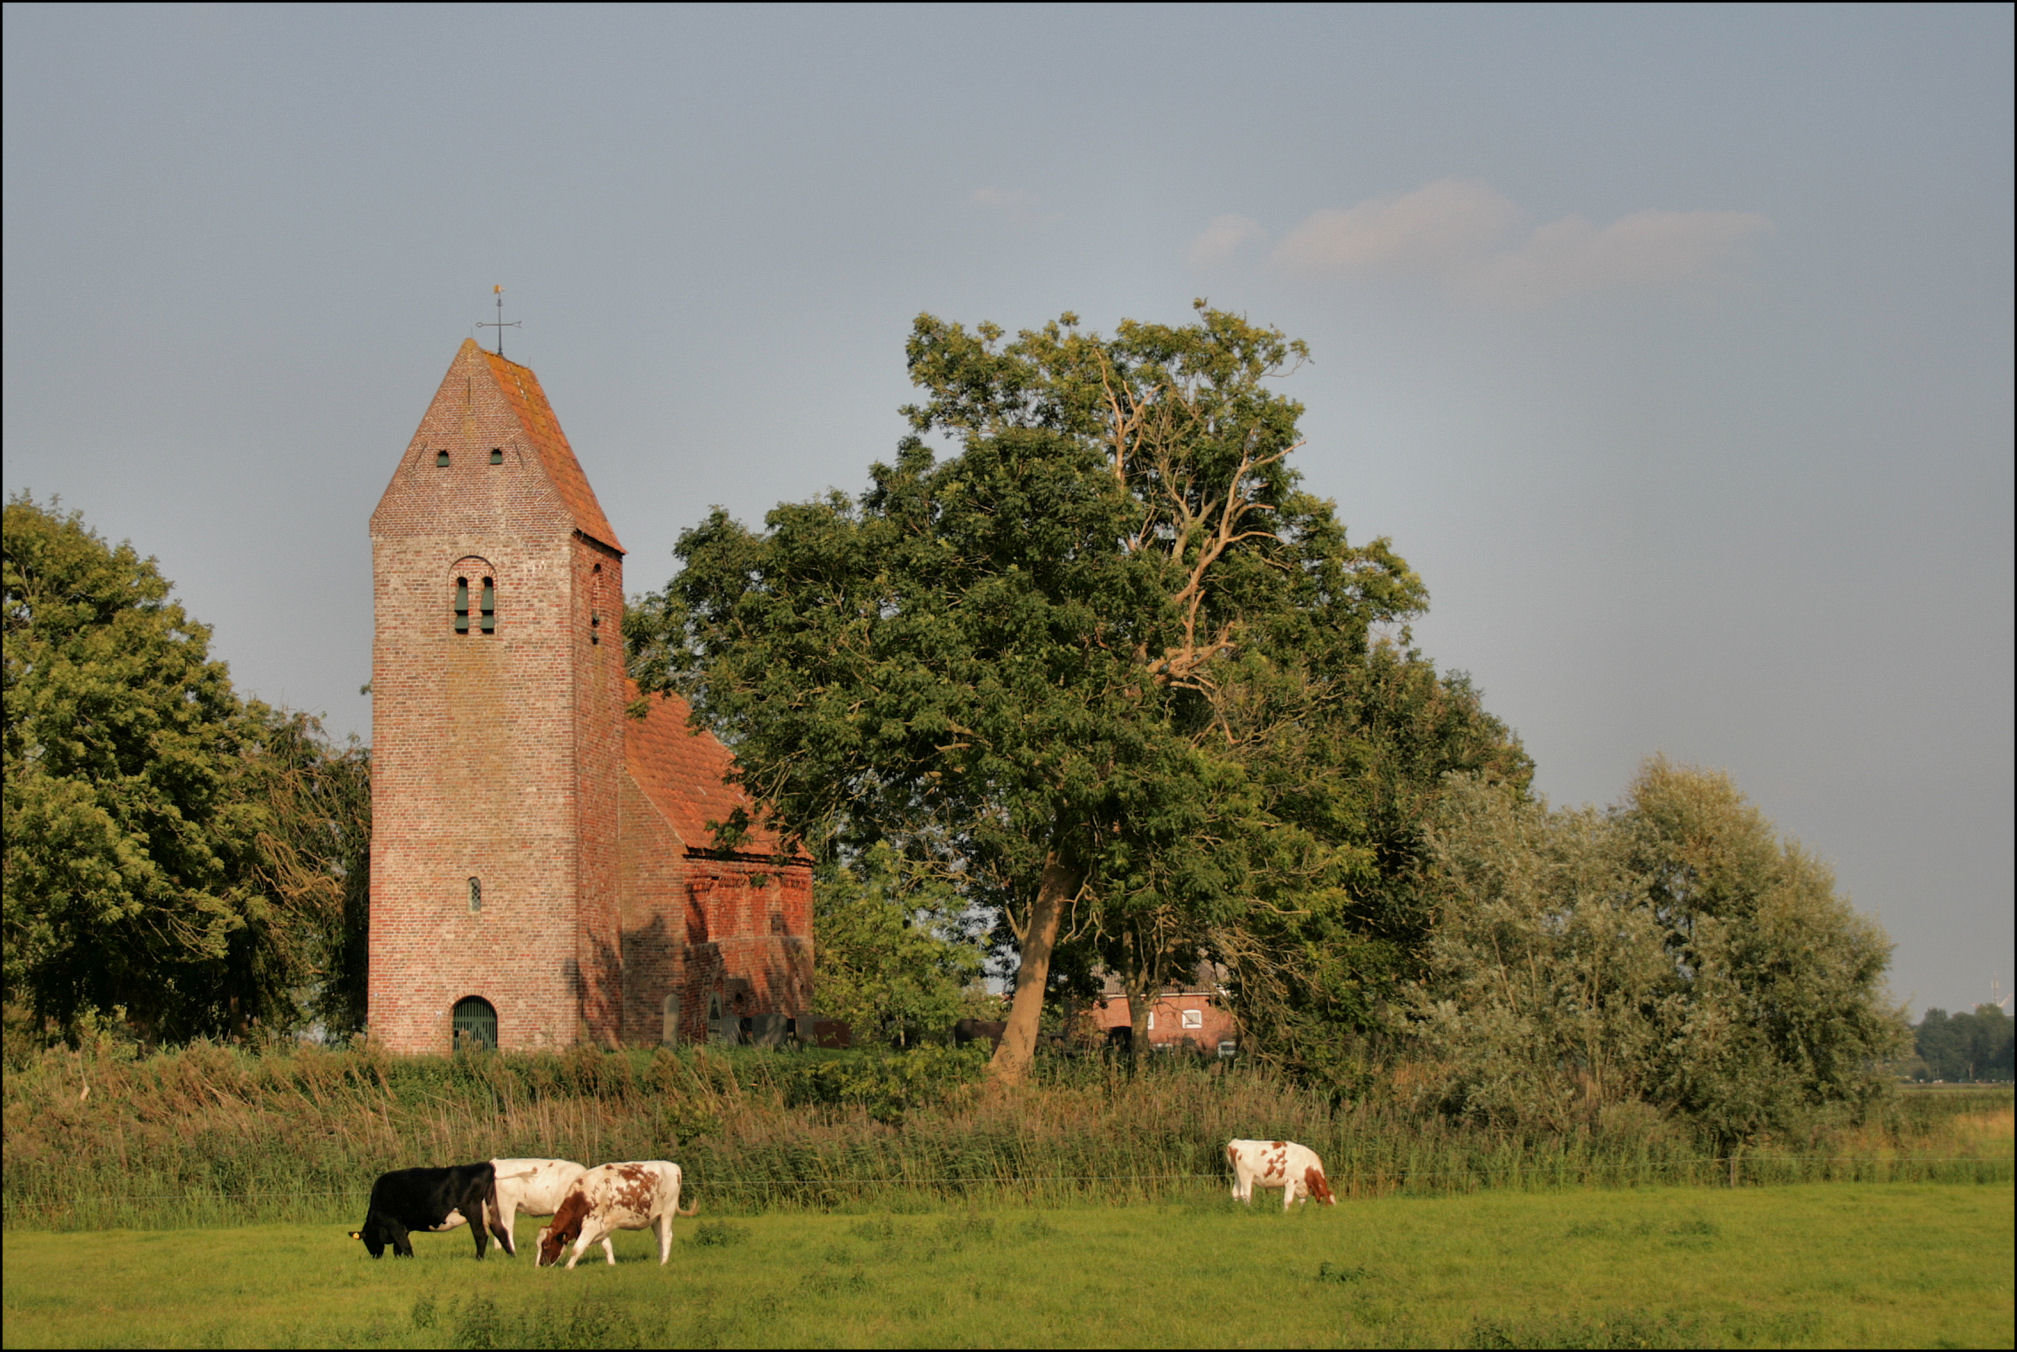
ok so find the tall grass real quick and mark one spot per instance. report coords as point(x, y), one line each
point(211, 1135)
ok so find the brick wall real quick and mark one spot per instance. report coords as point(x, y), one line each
point(473, 736)
point(1217, 1022)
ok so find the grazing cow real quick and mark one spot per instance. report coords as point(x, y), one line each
point(633, 1196)
point(1295, 1169)
point(537, 1188)
point(430, 1199)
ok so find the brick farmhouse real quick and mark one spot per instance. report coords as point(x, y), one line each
point(543, 869)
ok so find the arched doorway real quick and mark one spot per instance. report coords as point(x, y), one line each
point(475, 1025)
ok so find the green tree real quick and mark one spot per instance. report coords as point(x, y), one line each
point(171, 852)
point(1044, 665)
point(128, 850)
point(891, 958)
point(1966, 1046)
point(314, 860)
point(1357, 755)
point(1672, 950)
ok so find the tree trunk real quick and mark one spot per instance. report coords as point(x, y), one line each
point(1141, 1001)
point(1058, 885)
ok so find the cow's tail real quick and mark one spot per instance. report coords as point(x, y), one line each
point(693, 1210)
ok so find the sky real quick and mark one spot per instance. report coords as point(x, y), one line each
point(1672, 347)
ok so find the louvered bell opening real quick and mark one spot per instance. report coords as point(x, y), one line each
point(489, 607)
point(441, 459)
point(462, 605)
point(496, 455)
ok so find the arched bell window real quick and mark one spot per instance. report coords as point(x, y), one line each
point(474, 1025)
point(475, 581)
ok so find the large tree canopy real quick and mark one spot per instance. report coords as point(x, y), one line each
point(166, 845)
point(1079, 665)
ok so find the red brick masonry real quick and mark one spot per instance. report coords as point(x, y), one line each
point(607, 913)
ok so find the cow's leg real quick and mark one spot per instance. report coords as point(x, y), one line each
point(664, 1228)
point(1288, 1193)
point(402, 1243)
point(500, 1225)
point(590, 1235)
point(481, 1230)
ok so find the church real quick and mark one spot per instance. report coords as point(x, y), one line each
point(544, 870)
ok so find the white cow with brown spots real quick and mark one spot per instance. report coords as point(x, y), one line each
point(637, 1195)
point(1295, 1169)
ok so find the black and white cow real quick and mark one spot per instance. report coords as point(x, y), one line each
point(430, 1199)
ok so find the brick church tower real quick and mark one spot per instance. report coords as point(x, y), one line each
point(543, 871)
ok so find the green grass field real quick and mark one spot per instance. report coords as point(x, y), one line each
point(1821, 1265)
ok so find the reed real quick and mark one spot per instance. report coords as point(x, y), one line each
point(211, 1135)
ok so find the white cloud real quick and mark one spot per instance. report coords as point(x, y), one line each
point(1463, 234)
point(1223, 238)
point(1428, 230)
point(1644, 249)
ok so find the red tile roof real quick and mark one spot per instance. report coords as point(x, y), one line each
point(542, 430)
point(684, 773)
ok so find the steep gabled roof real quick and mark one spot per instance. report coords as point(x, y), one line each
point(521, 391)
point(684, 775)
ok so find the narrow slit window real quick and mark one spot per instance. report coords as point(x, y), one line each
point(489, 616)
point(441, 459)
point(462, 605)
point(475, 895)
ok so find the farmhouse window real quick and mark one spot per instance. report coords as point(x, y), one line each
point(1194, 1018)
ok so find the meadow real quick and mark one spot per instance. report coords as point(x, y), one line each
point(203, 1197)
point(1810, 1265)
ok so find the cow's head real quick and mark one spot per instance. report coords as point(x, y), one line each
point(373, 1236)
point(553, 1242)
point(1319, 1186)
point(564, 1228)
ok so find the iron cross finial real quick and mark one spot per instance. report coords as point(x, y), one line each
point(500, 325)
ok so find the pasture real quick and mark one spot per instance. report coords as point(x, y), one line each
point(1807, 1265)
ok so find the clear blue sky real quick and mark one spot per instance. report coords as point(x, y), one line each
point(1673, 347)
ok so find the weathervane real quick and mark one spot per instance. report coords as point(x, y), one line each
point(500, 325)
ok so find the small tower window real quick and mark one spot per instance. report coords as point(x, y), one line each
point(475, 895)
point(462, 605)
point(441, 459)
point(497, 455)
point(489, 615)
